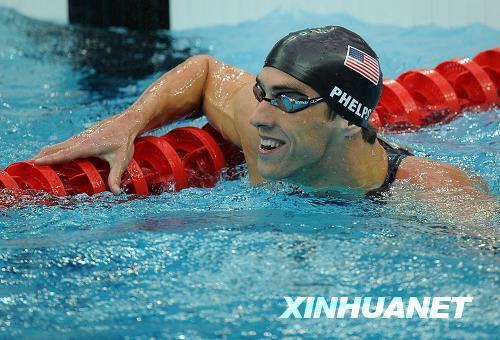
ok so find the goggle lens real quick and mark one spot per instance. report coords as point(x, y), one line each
point(284, 102)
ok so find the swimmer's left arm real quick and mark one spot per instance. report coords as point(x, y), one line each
point(449, 193)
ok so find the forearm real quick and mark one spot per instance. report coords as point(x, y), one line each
point(178, 93)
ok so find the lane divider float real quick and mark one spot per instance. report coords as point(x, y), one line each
point(422, 97)
point(194, 157)
point(184, 157)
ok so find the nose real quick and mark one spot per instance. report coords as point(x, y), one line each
point(263, 116)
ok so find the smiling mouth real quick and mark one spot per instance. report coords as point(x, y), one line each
point(269, 144)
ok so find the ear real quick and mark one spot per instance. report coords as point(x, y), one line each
point(349, 129)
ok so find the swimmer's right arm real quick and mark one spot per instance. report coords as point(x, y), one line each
point(199, 83)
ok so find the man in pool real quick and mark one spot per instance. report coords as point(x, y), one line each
point(302, 120)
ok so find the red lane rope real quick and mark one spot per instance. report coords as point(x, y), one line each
point(422, 97)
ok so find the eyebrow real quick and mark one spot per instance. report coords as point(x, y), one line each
point(281, 88)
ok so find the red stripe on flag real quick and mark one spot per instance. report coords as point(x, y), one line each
point(371, 71)
point(356, 67)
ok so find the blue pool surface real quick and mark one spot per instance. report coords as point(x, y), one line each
point(216, 263)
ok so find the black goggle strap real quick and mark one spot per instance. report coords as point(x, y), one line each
point(258, 91)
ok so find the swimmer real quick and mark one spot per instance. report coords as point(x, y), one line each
point(304, 119)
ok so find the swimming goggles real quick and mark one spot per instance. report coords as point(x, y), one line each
point(285, 102)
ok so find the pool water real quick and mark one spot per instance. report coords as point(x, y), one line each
point(216, 263)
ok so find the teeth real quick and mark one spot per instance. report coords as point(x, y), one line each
point(270, 143)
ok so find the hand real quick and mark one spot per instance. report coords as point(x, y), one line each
point(111, 140)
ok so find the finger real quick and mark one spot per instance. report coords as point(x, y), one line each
point(117, 167)
point(51, 149)
point(65, 155)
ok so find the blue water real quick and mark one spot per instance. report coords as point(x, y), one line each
point(216, 263)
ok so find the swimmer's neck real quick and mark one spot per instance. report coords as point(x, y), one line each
point(353, 167)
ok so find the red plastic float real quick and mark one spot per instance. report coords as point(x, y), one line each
point(7, 182)
point(471, 83)
point(162, 166)
point(232, 154)
point(201, 156)
point(489, 60)
point(435, 97)
point(194, 157)
point(38, 177)
point(80, 176)
point(397, 109)
point(133, 179)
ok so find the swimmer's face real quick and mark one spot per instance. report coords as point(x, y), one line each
point(292, 146)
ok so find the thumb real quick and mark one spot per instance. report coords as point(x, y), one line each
point(117, 167)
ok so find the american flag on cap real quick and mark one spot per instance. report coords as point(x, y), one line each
point(362, 63)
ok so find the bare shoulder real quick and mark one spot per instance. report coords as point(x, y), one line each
point(229, 103)
point(221, 95)
point(245, 104)
point(431, 173)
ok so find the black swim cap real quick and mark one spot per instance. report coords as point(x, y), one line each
point(335, 62)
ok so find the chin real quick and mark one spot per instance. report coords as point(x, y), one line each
point(270, 172)
point(273, 173)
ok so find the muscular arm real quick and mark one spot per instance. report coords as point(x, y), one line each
point(200, 83)
point(224, 94)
